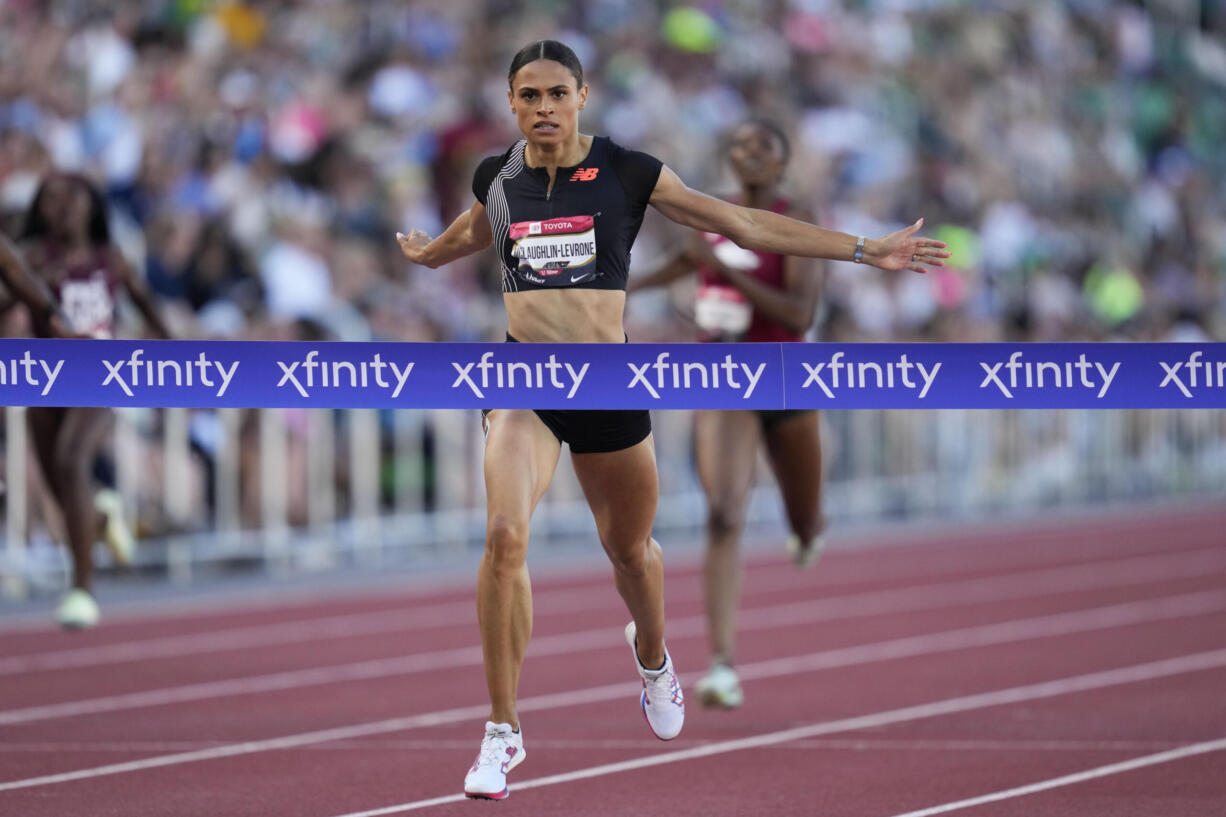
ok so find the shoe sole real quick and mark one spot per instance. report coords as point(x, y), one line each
point(502, 795)
point(78, 620)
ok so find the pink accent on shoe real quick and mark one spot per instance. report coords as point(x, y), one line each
point(495, 796)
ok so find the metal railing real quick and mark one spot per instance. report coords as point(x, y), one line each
point(290, 490)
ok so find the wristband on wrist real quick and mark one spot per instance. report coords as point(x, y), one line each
point(858, 255)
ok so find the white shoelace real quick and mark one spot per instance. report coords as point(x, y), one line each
point(662, 687)
point(494, 749)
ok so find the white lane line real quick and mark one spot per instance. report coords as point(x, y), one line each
point(421, 616)
point(1067, 578)
point(586, 744)
point(108, 746)
point(1030, 584)
point(862, 550)
point(651, 744)
point(967, 703)
point(986, 635)
point(604, 638)
point(1048, 581)
point(915, 646)
point(576, 589)
point(239, 638)
point(1182, 752)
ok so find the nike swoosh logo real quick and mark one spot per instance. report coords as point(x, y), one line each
point(577, 278)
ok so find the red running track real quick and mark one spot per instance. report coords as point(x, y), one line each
point(1071, 666)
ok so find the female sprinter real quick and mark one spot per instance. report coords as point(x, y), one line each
point(754, 297)
point(600, 188)
point(77, 273)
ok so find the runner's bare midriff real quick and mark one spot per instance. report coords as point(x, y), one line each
point(566, 315)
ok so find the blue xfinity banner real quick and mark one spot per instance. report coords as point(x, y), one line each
point(1005, 375)
point(611, 376)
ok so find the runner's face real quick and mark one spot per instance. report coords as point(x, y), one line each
point(546, 102)
point(756, 156)
point(65, 206)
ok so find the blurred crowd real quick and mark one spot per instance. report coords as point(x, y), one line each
point(259, 157)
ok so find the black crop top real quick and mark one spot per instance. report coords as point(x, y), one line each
point(577, 235)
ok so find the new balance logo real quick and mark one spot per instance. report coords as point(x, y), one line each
point(584, 174)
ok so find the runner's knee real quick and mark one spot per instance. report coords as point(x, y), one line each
point(506, 543)
point(724, 521)
point(630, 560)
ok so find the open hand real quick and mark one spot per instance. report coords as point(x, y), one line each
point(904, 250)
point(413, 245)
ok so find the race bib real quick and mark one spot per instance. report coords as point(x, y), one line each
point(88, 306)
point(560, 252)
point(722, 310)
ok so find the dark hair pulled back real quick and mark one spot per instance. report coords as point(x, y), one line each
point(547, 50)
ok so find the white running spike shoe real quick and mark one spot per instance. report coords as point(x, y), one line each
point(805, 554)
point(78, 610)
point(501, 751)
point(720, 688)
point(662, 701)
point(115, 532)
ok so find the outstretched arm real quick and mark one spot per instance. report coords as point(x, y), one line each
point(469, 233)
point(765, 231)
point(21, 282)
point(25, 288)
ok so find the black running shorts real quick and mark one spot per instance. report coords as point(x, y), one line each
point(594, 432)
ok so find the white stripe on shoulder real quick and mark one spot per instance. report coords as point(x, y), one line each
point(500, 212)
